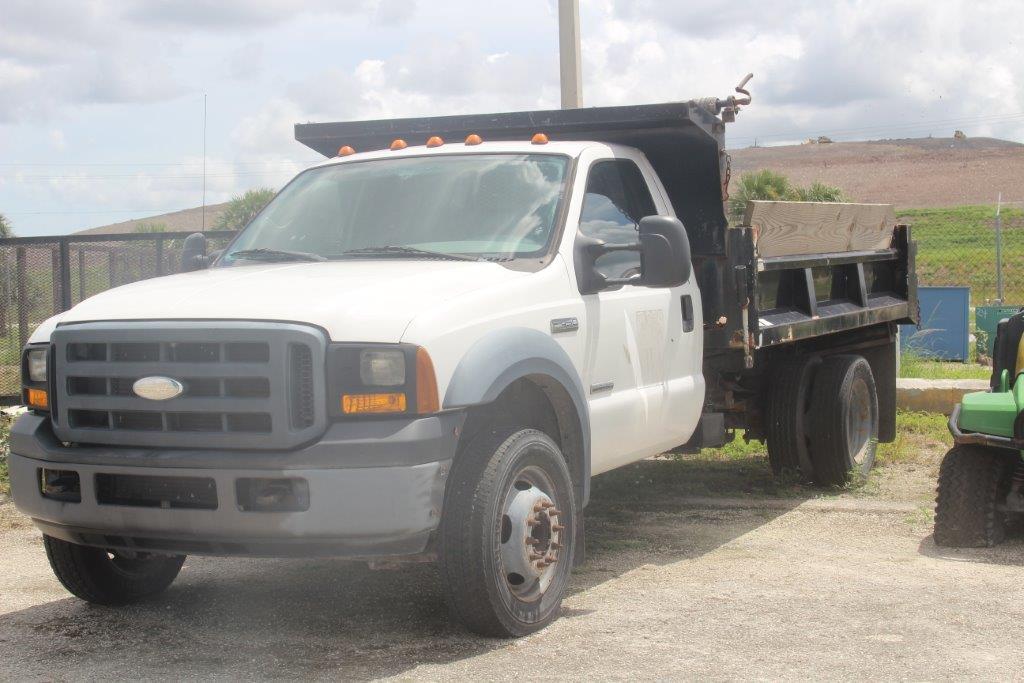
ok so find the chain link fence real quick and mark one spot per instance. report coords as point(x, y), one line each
point(43, 276)
point(976, 246)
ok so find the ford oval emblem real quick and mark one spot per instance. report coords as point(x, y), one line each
point(158, 388)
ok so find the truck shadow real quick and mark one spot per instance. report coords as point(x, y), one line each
point(318, 618)
point(1010, 553)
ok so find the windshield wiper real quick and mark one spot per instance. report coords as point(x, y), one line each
point(392, 250)
point(271, 255)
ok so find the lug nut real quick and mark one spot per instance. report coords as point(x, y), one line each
point(539, 506)
point(548, 504)
point(536, 556)
point(531, 521)
point(555, 545)
point(554, 511)
point(557, 527)
point(532, 541)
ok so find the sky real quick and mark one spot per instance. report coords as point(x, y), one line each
point(101, 101)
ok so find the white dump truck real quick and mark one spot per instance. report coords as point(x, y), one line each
point(426, 346)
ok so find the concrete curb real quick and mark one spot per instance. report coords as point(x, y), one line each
point(934, 395)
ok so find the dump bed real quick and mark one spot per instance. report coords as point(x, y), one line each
point(790, 273)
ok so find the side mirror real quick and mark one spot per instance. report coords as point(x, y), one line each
point(664, 252)
point(193, 253)
point(664, 257)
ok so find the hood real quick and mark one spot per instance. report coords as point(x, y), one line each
point(372, 300)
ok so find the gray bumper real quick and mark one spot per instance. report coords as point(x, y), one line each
point(375, 490)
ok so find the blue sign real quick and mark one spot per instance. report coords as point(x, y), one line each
point(945, 324)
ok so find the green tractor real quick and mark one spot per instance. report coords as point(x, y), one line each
point(981, 480)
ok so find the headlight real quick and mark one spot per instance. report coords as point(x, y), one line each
point(365, 379)
point(34, 374)
point(37, 365)
point(379, 368)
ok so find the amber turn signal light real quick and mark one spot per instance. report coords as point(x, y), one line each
point(37, 398)
point(426, 384)
point(352, 404)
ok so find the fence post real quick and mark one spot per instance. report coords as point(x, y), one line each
point(81, 274)
point(65, 275)
point(999, 249)
point(159, 256)
point(22, 280)
point(55, 278)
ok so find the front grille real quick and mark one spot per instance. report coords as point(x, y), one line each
point(303, 405)
point(243, 385)
point(190, 493)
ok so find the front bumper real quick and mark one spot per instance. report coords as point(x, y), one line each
point(376, 490)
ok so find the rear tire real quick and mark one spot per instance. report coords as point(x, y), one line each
point(843, 420)
point(108, 578)
point(509, 508)
point(788, 403)
point(973, 483)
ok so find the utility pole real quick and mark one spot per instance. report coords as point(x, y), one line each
point(569, 53)
point(204, 162)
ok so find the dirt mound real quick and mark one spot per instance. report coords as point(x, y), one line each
point(911, 173)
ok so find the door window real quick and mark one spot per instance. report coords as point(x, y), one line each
point(615, 200)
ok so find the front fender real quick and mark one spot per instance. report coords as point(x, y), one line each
point(501, 357)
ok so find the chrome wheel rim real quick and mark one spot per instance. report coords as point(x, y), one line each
point(859, 422)
point(531, 534)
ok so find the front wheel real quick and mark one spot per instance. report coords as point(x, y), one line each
point(507, 533)
point(970, 506)
point(110, 577)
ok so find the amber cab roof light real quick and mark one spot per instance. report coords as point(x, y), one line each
point(473, 139)
point(398, 144)
point(540, 139)
point(345, 151)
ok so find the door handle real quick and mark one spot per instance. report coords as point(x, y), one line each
point(686, 304)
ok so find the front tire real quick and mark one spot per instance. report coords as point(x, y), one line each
point(973, 484)
point(507, 533)
point(110, 578)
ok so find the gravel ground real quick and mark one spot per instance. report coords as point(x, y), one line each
point(674, 587)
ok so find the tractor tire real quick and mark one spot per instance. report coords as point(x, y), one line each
point(788, 401)
point(109, 578)
point(973, 484)
point(509, 509)
point(843, 420)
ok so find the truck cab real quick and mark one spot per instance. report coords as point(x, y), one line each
point(415, 352)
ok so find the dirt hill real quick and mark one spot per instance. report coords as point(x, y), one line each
point(186, 219)
point(915, 173)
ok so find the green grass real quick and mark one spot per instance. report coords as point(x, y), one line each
point(915, 366)
point(956, 247)
point(918, 437)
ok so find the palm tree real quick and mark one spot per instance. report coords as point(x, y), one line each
point(243, 208)
point(768, 185)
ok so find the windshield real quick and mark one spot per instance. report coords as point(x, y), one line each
point(471, 205)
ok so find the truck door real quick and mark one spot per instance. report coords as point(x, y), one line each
point(643, 345)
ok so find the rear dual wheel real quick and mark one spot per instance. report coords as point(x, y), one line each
point(822, 418)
